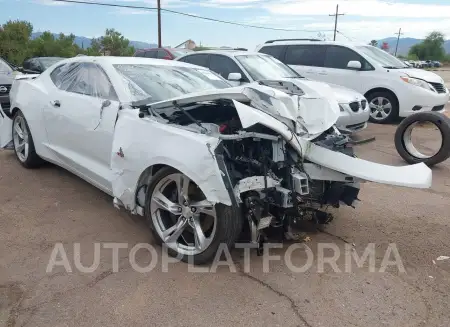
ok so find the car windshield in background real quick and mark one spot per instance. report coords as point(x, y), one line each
point(382, 57)
point(166, 82)
point(178, 53)
point(261, 67)
point(48, 61)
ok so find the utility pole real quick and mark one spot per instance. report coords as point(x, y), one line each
point(159, 24)
point(335, 20)
point(398, 39)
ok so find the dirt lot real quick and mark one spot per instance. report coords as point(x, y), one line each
point(43, 207)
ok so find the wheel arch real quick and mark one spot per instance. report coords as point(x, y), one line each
point(383, 89)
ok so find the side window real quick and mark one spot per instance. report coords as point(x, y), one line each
point(83, 78)
point(305, 55)
point(338, 57)
point(274, 51)
point(224, 66)
point(26, 64)
point(198, 59)
point(34, 65)
point(150, 54)
point(140, 54)
point(161, 54)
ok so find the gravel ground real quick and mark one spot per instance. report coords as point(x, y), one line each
point(43, 207)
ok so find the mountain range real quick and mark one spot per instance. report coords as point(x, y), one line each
point(403, 47)
point(406, 43)
point(85, 42)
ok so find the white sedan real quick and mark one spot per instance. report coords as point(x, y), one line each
point(197, 158)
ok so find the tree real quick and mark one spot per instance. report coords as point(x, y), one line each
point(14, 40)
point(47, 45)
point(374, 43)
point(112, 43)
point(432, 48)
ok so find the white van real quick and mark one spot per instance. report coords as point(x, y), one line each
point(392, 88)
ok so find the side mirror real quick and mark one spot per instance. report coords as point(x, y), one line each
point(105, 104)
point(234, 77)
point(355, 65)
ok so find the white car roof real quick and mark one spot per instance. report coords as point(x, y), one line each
point(111, 60)
point(228, 53)
point(309, 42)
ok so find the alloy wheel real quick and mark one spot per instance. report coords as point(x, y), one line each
point(182, 217)
point(380, 108)
point(20, 138)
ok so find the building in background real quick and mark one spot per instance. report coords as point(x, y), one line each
point(188, 44)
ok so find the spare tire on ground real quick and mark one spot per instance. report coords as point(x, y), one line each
point(404, 144)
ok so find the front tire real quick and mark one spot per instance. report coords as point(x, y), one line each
point(23, 142)
point(181, 218)
point(383, 107)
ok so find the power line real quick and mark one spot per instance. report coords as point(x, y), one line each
point(398, 39)
point(189, 15)
point(335, 20)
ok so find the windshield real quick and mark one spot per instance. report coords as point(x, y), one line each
point(179, 52)
point(48, 61)
point(261, 67)
point(162, 82)
point(4, 67)
point(382, 57)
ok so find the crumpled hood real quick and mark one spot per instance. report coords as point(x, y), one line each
point(420, 74)
point(316, 110)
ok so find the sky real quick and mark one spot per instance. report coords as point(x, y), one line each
point(364, 20)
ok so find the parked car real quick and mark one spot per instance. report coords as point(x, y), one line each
point(38, 64)
point(196, 165)
point(392, 89)
point(240, 67)
point(436, 64)
point(161, 53)
point(7, 73)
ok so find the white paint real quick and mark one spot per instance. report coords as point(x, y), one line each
point(442, 257)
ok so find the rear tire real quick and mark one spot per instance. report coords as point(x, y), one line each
point(383, 107)
point(23, 142)
point(441, 121)
point(228, 221)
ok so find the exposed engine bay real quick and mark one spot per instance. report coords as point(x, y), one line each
point(272, 184)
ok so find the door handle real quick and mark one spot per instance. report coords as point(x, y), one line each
point(56, 103)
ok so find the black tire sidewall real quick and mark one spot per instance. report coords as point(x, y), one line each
point(393, 115)
point(440, 121)
point(229, 225)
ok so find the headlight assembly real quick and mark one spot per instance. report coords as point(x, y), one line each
point(417, 82)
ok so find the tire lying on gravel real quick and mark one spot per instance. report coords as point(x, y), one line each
point(405, 147)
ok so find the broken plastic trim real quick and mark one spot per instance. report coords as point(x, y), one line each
point(243, 135)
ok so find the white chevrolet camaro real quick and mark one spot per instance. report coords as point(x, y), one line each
point(197, 158)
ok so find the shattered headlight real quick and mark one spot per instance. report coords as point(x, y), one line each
point(418, 82)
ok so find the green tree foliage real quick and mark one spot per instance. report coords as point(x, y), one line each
point(432, 48)
point(14, 40)
point(113, 44)
point(16, 44)
point(46, 45)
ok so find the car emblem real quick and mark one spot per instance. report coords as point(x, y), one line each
point(3, 89)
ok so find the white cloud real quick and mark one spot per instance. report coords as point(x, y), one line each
point(364, 8)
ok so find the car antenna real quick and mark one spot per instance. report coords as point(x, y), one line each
point(176, 105)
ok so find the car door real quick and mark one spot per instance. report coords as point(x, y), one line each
point(80, 119)
point(224, 66)
point(335, 69)
point(306, 59)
